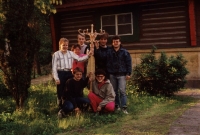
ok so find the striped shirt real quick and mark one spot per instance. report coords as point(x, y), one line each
point(64, 61)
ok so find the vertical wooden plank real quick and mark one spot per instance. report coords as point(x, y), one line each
point(192, 23)
point(53, 33)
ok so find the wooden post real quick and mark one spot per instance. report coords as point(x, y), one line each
point(192, 23)
point(53, 33)
point(91, 61)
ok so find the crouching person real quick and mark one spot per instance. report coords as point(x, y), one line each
point(73, 98)
point(102, 95)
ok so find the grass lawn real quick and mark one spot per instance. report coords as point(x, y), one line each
point(148, 115)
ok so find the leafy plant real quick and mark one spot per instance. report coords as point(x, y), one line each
point(163, 76)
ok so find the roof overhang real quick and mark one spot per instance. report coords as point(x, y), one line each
point(90, 4)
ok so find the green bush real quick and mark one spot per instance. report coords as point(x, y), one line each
point(162, 76)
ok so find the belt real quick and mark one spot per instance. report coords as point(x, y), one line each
point(65, 69)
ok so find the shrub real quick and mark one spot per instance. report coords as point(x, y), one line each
point(162, 76)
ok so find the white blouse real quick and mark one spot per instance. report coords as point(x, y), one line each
point(64, 61)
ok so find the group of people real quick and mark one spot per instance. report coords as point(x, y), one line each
point(107, 90)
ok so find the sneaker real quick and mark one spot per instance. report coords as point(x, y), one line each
point(124, 111)
point(60, 114)
point(117, 108)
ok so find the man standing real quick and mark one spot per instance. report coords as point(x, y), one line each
point(81, 42)
point(119, 66)
point(100, 53)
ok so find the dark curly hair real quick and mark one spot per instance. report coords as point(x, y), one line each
point(101, 72)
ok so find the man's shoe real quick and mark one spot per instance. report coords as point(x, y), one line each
point(124, 111)
point(117, 108)
point(60, 114)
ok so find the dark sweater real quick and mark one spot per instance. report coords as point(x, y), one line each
point(74, 89)
point(101, 57)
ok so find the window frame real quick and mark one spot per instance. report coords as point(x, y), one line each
point(116, 23)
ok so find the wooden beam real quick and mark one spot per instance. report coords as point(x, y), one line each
point(192, 22)
point(53, 33)
point(95, 4)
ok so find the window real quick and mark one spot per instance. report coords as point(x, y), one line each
point(117, 24)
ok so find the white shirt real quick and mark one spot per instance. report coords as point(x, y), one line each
point(64, 61)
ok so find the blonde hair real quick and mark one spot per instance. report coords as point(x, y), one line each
point(81, 35)
point(62, 40)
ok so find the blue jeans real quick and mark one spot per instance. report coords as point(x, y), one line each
point(69, 107)
point(119, 85)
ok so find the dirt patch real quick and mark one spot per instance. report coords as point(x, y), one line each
point(42, 79)
point(189, 122)
point(190, 92)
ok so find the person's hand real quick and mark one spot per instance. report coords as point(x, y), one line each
point(99, 108)
point(77, 111)
point(90, 75)
point(89, 90)
point(57, 82)
point(97, 44)
point(90, 53)
point(128, 77)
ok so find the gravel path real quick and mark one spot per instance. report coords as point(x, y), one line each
point(41, 79)
point(189, 122)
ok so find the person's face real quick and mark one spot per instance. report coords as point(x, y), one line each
point(103, 41)
point(81, 40)
point(116, 43)
point(64, 46)
point(77, 50)
point(78, 76)
point(100, 78)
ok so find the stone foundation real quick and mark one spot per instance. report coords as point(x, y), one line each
point(192, 55)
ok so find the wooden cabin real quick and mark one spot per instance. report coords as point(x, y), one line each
point(173, 26)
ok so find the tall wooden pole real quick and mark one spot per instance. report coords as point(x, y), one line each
point(91, 61)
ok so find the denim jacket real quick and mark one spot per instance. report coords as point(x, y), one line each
point(119, 62)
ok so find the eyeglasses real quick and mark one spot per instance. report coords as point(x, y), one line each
point(100, 76)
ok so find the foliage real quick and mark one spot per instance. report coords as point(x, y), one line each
point(22, 31)
point(164, 75)
point(39, 116)
point(3, 91)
